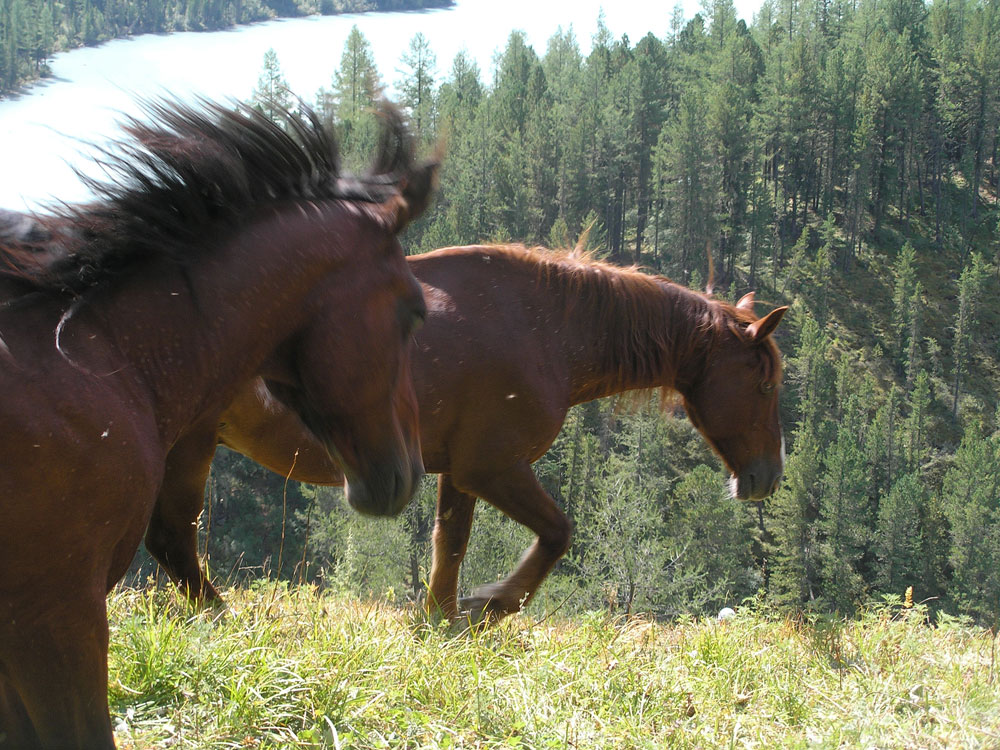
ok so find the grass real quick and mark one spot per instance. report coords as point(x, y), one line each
point(290, 668)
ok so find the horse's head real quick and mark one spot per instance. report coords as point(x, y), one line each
point(351, 379)
point(734, 404)
point(360, 346)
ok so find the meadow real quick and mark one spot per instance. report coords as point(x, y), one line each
point(294, 667)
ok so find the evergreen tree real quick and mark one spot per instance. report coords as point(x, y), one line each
point(793, 554)
point(356, 83)
point(914, 329)
point(461, 92)
point(730, 109)
point(915, 428)
point(526, 177)
point(971, 497)
point(564, 71)
point(271, 95)
point(416, 87)
point(822, 270)
point(845, 514)
point(646, 107)
point(905, 282)
point(969, 291)
point(898, 538)
point(687, 177)
point(625, 536)
point(716, 530)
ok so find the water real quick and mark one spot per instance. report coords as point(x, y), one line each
point(45, 132)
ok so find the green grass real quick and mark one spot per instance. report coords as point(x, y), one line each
point(296, 668)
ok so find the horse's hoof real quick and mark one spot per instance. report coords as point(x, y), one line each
point(481, 607)
point(472, 608)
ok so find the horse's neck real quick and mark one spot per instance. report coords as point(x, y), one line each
point(195, 339)
point(640, 341)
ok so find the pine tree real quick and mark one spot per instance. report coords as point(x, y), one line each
point(416, 87)
point(845, 514)
point(822, 270)
point(461, 92)
point(687, 176)
point(271, 95)
point(904, 274)
point(971, 499)
point(897, 537)
point(793, 552)
point(647, 105)
point(969, 291)
point(350, 100)
point(730, 108)
point(356, 83)
point(914, 333)
point(526, 175)
point(625, 532)
point(564, 74)
point(915, 427)
point(716, 530)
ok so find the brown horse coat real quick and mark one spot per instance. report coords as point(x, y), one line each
point(513, 338)
point(224, 248)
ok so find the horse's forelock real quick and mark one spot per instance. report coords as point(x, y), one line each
point(736, 319)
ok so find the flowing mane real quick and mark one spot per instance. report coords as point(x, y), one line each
point(188, 171)
point(628, 308)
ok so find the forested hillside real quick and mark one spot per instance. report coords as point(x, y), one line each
point(31, 31)
point(838, 157)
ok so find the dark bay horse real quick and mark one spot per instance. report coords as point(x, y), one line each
point(515, 337)
point(222, 247)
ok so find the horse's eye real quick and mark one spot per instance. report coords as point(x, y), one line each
point(417, 318)
point(767, 387)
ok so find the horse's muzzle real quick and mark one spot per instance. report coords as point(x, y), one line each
point(385, 489)
point(757, 481)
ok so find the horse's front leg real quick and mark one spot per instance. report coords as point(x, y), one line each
point(16, 729)
point(172, 534)
point(55, 689)
point(452, 527)
point(519, 495)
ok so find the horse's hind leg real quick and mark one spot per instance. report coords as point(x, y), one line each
point(172, 535)
point(519, 495)
point(451, 538)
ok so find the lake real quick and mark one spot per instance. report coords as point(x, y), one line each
point(45, 132)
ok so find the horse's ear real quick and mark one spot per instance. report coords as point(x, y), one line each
point(746, 302)
point(761, 329)
point(420, 186)
point(414, 198)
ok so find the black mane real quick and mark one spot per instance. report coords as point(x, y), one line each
point(188, 171)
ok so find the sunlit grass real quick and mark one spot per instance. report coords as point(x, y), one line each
point(297, 668)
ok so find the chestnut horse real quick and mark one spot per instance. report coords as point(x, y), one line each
point(514, 337)
point(222, 247)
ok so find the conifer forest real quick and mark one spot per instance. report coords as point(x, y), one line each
point(837, 156)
